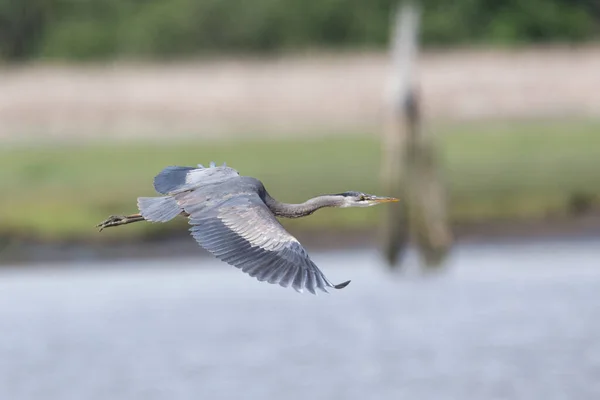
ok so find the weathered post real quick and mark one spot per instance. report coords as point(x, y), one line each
point(409, 160)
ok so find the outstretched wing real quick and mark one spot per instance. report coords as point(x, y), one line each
point(176, 179)
point(243, 232)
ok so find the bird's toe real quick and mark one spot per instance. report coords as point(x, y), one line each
point(110, 221)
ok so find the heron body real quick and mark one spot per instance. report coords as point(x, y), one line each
point(234, 218)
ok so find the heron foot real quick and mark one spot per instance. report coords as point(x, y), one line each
point(116, 220)
point(113, 220)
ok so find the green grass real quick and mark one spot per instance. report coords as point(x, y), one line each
point(506, 171)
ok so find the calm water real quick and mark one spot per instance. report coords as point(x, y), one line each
point(504, 322)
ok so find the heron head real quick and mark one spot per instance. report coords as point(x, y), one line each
point(358, 199)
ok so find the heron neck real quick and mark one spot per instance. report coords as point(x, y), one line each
point(288, 210)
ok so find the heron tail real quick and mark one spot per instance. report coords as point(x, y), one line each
point(158, 209)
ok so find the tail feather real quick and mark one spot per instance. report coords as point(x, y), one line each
point(158, 209)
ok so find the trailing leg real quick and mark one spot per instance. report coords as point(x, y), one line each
point(116, 220)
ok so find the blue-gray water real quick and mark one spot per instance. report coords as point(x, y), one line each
point(504, 322)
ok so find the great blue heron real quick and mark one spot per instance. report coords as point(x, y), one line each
point(234, 218)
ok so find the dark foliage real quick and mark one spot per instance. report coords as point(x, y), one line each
point(96, 29)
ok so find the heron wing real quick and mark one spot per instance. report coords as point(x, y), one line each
point(243, 232)
point(175, 179)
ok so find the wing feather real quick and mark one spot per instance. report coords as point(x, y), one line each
point(176, 179)
point(288, 278)
point(243, 232)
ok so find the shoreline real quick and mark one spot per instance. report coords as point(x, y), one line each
point(291, 95)
point(31, 252)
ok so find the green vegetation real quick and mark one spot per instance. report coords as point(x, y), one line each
point(509, 171)
point(86, 29)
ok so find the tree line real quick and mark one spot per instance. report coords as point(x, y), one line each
point(163, 29)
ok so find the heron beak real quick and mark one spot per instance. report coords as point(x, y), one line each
point(385, 199)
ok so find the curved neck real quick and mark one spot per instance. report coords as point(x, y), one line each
point(300, 210)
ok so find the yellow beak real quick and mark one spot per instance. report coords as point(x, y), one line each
point(385, 199)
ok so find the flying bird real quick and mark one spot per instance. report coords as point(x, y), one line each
point(234, 218)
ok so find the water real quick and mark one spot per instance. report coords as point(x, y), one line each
point(505, 322)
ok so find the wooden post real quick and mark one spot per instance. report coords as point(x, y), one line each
point(409, 160)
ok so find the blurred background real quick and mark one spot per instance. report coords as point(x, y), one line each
point(96, 97)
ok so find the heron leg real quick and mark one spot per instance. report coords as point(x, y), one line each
point(116, 220)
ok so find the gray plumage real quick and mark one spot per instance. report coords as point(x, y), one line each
point(234, 218)
point(158, 209)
